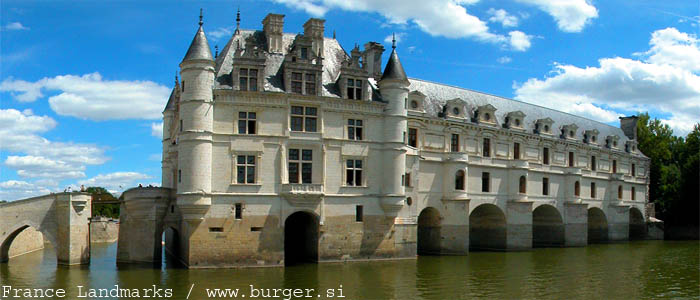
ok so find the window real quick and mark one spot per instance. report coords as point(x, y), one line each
point(592, 190)
point(414, 104)
point(245, 169)
point(300, 165)
point(633, 196)
point(459, 180)
point(485, 182)
point(571, 159)
point(248, 79)
point(354, 89)
point(246, 122)
point(487, 148)
point(304, 53)
point(545, 156)
point(633, 171)
point(296, 82)
point(310, 84)
point(183, 85)
point(181, 125)
point(545, 186)
point(516, 151)
point(407, 179)
point(577, 189)
point(353, 172)
point(358, 213)
point(179, 175)
point(238, 211)
point(413, 137)
point(454, 144)
point(619, 192)
point(593, 165)
point(523, 185)
point(216, 229)
point(355, 129)
point(614, 168)
point(304, 118)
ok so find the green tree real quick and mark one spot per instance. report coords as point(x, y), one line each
point(109, 210)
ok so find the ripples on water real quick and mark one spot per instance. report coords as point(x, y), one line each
point(635, 270)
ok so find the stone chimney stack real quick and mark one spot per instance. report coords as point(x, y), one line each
point(314, 28)
point(629, 126)
point(273, 26)
point(372, 59)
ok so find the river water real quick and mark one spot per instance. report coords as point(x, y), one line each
point(634, 270)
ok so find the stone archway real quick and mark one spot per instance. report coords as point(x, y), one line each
point(301, 234)
point(597, 226)
point(171, 251)
point(429, 232)
point(487, 228)
point(638, 228)
point(547, 227)
point(22, 240)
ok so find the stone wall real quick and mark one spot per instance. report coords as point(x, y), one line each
point(29, 240)
point(103, 230)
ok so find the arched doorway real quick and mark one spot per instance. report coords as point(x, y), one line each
point(547, 227)
point(429, 232)
point(487, 228)
point(22, 240)
point(171, 247)
point(301, 238)
point(638, 228)
point(597, 226)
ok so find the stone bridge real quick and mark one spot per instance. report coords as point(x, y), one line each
point(62, 218)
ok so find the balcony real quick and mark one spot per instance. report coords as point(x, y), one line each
point(302, 194)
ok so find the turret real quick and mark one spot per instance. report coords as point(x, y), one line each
point(169, 126)
point(196, 121)
point(393, 87)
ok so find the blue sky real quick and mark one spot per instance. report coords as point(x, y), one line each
point(82, 84)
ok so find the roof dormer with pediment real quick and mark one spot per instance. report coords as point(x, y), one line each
point(248, 69)
point(568, 131)
point(456, 108)
point(485, 114)
point(544, 126)
point(353, 80)
point(514, 120)
point(591, 136)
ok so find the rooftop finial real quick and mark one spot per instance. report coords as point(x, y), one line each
point(334, 34)
point(176, 81)
point(393, 40)
point(216, 51)
point(200, 17)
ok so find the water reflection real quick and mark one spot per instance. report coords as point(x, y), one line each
point(635, 270)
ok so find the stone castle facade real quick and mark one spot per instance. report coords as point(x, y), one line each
point(284, 148)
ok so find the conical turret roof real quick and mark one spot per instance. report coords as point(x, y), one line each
point(199, 49)
point(394, 69)
point(171, 100)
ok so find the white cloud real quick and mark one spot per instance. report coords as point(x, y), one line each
point(220, 32)
point(662, 82)
point(91, 97)
point(399, 37)
point(447, 18)
point(155, 157)
point(17, 189)
point(157, 130)
point(504, 60)
point(15, 26)
point(570, 15)
point(117, 181)
point(501, 16)
point(42, 167)
point(519, 41)
point(669, 46)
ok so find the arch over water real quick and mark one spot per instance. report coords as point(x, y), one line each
point(638, 228)
point(6, 248)
point(597, 226)
point(172, 253)
point(429, 226)
point(301, 230)
point(547, 227)
point(487, 228)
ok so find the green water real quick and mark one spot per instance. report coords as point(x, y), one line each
point(634, 270)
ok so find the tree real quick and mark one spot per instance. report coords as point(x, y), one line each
point(109, 210)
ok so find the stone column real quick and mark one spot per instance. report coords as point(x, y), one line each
point(454, 231)
point(141, 225)
point(618, 222)
point(73, 228)
point(519, 225)
point(575, 224)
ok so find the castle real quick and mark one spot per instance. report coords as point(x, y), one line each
point(284, 148)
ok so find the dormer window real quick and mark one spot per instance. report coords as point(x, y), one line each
point(543, 126)
point(248, 79)
point(485, 113)
point(569, 131)
point(304, 53)
point(414, 104)
point(305, 80)
point(590, 136)
point(455, 108)
point(354, 89)
point(455, 111)
point(514, 119)
point(611, 141)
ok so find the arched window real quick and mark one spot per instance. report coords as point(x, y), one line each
point(577, 189)
point(459, 180)
point(619, 192)
point(523, 185)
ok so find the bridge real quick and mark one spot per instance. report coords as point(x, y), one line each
point(62, 218)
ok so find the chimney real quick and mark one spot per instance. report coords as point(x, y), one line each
point(314, 28)
point(372, 59)
point(273, 26)
point(629, 126)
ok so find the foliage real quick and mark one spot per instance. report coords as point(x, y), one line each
point(110, 210)
point(674, 171)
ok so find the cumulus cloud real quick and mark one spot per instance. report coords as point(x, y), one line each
point(662, 81)
point(399, 37)
point(39, 166)
point(157, 130)
point(501, 16)
point(570, 15)
point(519, 41)
point(18, 189)
point(14, 26)
point(117, 181)
point(220, 32)
point(447, 18)
point(504, 60)
point(91, 97)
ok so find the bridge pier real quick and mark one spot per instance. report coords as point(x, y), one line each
point(575, 224)
point(141, 225)
point(519, 225)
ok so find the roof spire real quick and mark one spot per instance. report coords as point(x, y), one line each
point(200, 17)
point(334, 34)
point(393, 40)
point(176, 79)
point(216, 51)
point(238, 19)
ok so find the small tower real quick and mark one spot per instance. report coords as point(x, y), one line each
point(170, 126)
point(196, 119)
point(393, 87)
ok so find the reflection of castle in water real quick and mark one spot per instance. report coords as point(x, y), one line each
point(284, 148)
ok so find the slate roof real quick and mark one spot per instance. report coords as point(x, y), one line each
point(199, 48)
point(394, 69)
